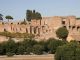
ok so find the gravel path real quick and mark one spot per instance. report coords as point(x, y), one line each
point(28, 57)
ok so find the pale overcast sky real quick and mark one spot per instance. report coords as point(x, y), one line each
point(17, 8)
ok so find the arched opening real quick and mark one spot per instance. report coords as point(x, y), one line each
point(2, 23)
point(78, 28)
point(18, 23)
point(11, 23)
point(34, 30)
point(69, 27)
point(63, 22)
point(30, 29)
point(5, 30)
point(26, 30)
point(73, 27)
point(20, 29)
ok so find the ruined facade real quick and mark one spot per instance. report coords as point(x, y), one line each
point(45, 28)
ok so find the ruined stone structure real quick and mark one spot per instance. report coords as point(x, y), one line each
point(45, 28)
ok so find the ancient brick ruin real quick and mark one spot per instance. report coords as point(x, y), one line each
point(45, 28)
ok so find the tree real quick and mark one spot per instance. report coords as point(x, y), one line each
point(53, 44)
point(44, 44)
point(28, 43)
point(21, 49)
point(37, 49)
point(70, 51)
point(27, 46)
point(28, 50)
point(9, 17)
point(62, 33)
point(1, 17)
point(10, 46)
point(9, 54)
point(34, 14)
point(38, 16)
point(30, 15)
point(2, 52)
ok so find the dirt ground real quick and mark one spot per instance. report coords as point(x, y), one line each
point(28, 57)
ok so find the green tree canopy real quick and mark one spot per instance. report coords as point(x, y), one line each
point(38, 16)
point(33, 15)
point(9, 17)
point(62, 33)
point(10, 46)
point(70, 51)
point(38, 49)
point(29, 15)
point(53, 44)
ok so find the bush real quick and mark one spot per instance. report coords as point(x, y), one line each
point(44, 45)
point(9, 54)
point(37, 49)
point(29, 43)
point(10, 46)
point(28, 50)
point(3, 48)
point(54, 44)
point(70, 51)
point(21, 50)
point(62, 33)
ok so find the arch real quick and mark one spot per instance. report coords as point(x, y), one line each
point(5, 30)
point(2, 23)
point(63, 22)
point(30, 29)
point(35, 30)
point(78, 27)
point(11, 23)
point(26, 30)
point(69, 27)
point(18, 23)
point(73, 27)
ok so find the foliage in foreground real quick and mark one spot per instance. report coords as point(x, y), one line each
point(53, 44)
point(29, 46)
point(9, 54)
point(70, 51)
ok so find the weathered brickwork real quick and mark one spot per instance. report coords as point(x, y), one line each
point(45, 28)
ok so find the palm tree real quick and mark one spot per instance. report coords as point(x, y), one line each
point(9, 17)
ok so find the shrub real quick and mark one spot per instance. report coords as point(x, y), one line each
point(37, 49)
point(10, 46)
point(21, 50)
point(9, 54)
point(70, 51)
point(28, 50)
point(54, 44)
point(62, 33)
point(3, 48)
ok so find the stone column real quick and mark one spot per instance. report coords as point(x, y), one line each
point(35, 30)
point(38, 30)
point(28, 28)
point(32, 30)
